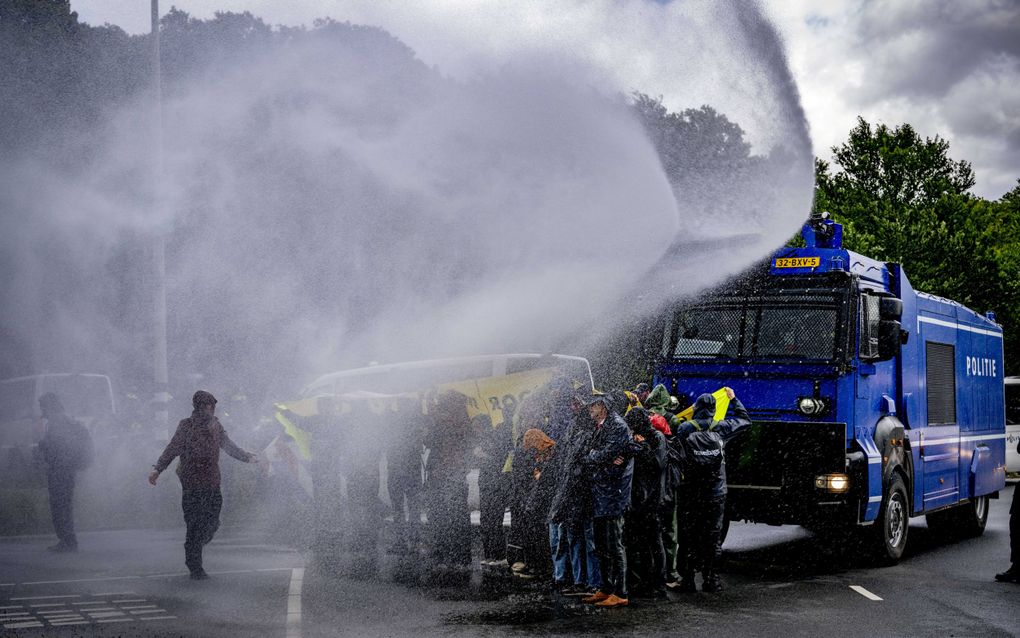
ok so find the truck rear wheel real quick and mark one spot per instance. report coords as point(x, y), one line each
point(889, 532)
point(961, 521)
point(972, 516)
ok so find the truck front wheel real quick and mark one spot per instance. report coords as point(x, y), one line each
point(890, 529)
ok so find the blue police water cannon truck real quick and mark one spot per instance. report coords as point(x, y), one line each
point(871, 402)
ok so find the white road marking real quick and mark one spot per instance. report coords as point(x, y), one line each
point(59, 611)
point(245, 571)
point(297, 577)
point(137, 577)
point(116, 593)
point(76, 580)
point(864, 592)
point(33, 606)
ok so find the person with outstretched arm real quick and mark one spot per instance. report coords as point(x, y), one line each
point(198, 441)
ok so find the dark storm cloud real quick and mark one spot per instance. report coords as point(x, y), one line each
point(948, 68)
point(925, 49)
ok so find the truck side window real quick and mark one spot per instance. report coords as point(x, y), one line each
point(869, 326)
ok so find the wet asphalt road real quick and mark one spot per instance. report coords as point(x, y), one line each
point(134, 583)
point(780, 582)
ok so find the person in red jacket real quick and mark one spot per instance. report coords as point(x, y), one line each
point(198, 441)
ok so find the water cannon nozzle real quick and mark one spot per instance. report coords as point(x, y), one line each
point(822, 232)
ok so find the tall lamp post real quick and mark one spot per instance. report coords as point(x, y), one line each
point(161, 396)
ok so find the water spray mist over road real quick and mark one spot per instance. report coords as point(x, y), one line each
point(335, 200)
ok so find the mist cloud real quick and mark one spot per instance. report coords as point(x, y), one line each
point(336, 199)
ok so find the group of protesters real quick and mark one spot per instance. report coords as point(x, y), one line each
point(605, 495)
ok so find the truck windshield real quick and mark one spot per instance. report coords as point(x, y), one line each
point(798, 325)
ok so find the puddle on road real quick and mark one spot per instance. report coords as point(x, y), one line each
point(527, 609)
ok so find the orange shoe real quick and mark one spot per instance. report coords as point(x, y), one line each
point(597, 597)
point(613, 601)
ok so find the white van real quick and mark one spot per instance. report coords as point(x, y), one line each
point(412, 376)
point(1012, 423)
point(88, 398)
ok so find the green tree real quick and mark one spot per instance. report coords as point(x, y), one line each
point(903, 199)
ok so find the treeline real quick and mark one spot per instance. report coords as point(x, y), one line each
point(903, 198)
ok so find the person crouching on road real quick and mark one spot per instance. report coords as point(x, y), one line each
point(198, 441)
point(610, 469)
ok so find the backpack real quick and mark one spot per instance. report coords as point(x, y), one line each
point(702, 452)
point(84, 452)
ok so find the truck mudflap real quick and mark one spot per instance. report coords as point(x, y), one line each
point(781, 472)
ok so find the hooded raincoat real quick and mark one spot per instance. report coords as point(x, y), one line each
point(704, 409)
point(610, 483)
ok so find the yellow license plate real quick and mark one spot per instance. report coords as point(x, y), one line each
point(798, 262)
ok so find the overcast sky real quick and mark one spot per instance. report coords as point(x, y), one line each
point(947, 67)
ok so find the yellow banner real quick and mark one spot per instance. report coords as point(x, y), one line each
point(490, 395)
point(722, 404)
point(487, 395)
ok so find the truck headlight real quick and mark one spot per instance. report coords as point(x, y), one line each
point(837, 483)
point(811, 406)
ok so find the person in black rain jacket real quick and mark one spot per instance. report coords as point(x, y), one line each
point(611, 470)
point(67, 448)
point(701, 502)
point(645, 554)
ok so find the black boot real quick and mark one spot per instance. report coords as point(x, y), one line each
point(712, 584)
point(687, 584)
point(1011, 575)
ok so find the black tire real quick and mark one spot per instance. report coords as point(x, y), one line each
point(889, 531)
point(972, 516)
point(966, 520)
